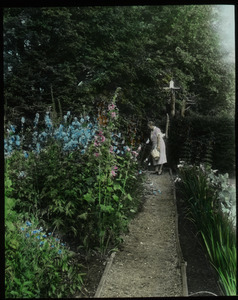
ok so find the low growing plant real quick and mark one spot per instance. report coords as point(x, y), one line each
point(39, 265)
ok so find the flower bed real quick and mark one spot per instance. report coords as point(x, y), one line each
point(207, 196)
point(78, 179)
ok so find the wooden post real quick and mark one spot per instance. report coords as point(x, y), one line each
point(172, 104)
point(183, 108)
point(167, 126)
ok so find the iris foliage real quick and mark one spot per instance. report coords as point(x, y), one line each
point(209, 199)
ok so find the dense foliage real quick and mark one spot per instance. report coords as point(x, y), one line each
point(73, 58)
point(84, 53)
point(38, 264)
point(203, 139)
point(209, 199)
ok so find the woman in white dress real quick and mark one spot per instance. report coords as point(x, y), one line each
point(157, 140)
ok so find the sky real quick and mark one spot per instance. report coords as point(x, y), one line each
point(227, 29)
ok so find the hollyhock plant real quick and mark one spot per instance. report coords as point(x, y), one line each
point(111, 106)
point(113, 173)
point(113, 115)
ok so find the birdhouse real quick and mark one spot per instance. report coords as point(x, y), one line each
point(171, 84)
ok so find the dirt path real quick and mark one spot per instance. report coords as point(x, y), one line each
point(148, 264)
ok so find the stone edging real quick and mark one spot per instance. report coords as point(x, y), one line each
point(105, 273)
point(182, 263)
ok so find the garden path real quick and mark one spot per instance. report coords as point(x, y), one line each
point(148, 263)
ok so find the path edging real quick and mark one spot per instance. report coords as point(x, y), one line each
point(182, 263)
point(103, 278)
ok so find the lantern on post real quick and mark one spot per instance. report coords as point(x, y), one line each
point(172, 88)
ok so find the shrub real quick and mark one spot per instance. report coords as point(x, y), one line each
point(37, 264)
point(203, 139)
point(206, 195)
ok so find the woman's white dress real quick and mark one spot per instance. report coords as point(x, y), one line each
point(153, 136)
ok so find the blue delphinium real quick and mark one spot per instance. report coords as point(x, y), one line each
point(36, 120)
point(13, 128)
point(18, 141)
point(76, 135)
point(26, 155)
point(48, 121)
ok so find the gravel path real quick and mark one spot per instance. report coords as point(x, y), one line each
point(148, 264)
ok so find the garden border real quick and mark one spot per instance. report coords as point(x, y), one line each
point(181, 263)
point(104, 275)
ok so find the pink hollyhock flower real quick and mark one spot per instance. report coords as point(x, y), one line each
point(134, 153)
point(115, 167)
point(111, 106)
point(113, 115)
point(103, 138)
point(96, 154)
point(113, 173)
point(111, 149)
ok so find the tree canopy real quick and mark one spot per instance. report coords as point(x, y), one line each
point(80, 55)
